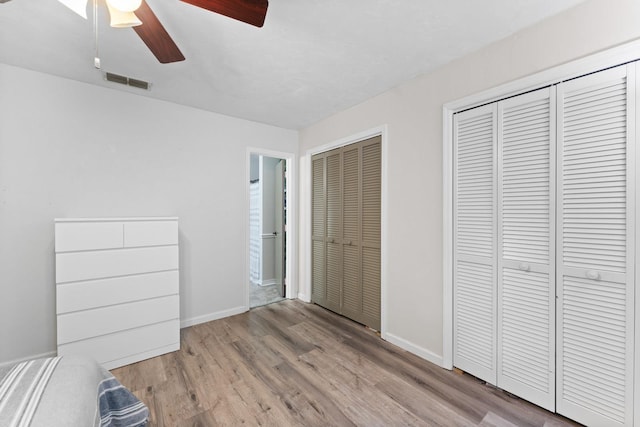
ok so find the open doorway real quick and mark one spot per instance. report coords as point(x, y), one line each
point(267, 229)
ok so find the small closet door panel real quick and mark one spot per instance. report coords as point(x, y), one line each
point(318, 282)
point(371, 295)
point(474, 324)
point(79, 296)
point(526, 287)
point(475, 242)
point(595, 265)
point(334, 276)
point(371, 193)
point(79, 236)
point(318, 245)
point(76, 266)
point(334, 196)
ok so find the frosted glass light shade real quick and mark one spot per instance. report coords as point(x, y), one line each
point(120, 19)
point(125, 5)
point(78, 6)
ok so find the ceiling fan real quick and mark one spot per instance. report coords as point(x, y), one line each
point(138, 14)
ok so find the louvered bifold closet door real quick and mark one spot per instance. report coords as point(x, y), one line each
point(595, 269)
point(474, 276)
point(334, 230)
point(526, 243)
point(371, 202)
point(351, 242)
point(318, 230)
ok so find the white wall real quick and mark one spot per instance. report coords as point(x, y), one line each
point(413, 113)
point(68, 149)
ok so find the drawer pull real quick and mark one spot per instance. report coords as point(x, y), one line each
point(592, 274)
point(524, 266)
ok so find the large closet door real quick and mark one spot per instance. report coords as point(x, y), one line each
point(526, 223)
point(595, 268)
point(346, 231)
point(474, 276)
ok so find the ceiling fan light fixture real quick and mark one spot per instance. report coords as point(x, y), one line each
point(125, 5)
point(120, 19)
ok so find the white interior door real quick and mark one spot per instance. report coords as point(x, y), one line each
point(474, 276)
point(526, 246)
point(595, 268)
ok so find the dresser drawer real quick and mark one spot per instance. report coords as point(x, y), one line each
point(76, 266)
point(128, 346)
point(150, 233)
point(81, 325)
point(78, 296)
point(83, 236)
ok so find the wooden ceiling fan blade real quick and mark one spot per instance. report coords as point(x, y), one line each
point(250, 11)
point(156, 38)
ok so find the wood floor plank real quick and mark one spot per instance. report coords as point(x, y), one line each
point(303, 399)
point(280, 330)
point(297, 364)
point(357, 392)
point(177, 395)
point(422, 404)
point(141, 375)
point(156, 417)
point(362, 375)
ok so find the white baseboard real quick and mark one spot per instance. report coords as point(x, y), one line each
point(185, 323)
point(304, 297)
point(140, 356)
point(268, 282)
point(34, 356)
point(415, 349)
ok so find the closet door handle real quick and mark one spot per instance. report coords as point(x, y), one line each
point(349, 242)
point(592, 274)
point(524, 266)
point(332, 240)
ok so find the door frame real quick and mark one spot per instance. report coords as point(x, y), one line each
point(281, 200)
point(291, 237)
point(612, 57)
point(304, 293)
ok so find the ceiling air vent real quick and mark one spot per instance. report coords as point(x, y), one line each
point(124, 80)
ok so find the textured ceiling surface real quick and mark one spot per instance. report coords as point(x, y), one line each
point(311, 59)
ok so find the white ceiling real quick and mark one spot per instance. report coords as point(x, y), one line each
point(311, 59)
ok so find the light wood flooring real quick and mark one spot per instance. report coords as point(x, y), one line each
point(296, 364)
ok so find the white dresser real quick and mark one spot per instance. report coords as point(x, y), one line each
point(117, 288)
